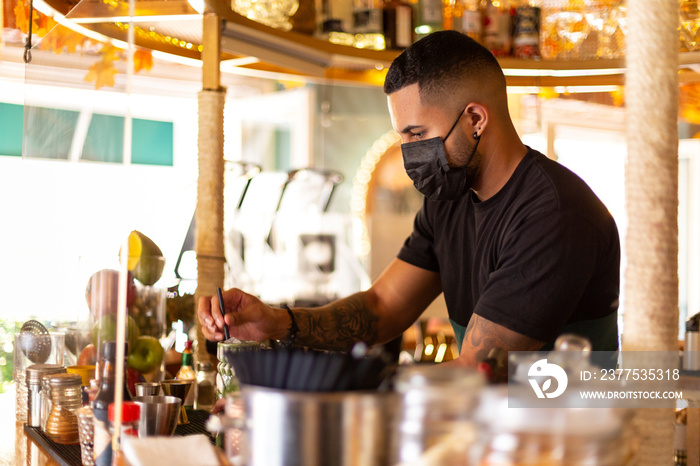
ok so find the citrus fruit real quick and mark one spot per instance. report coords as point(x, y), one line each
point(145, 259)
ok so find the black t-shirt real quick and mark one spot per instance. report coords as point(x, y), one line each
point(541, 257)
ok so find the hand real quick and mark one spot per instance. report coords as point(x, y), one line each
point(247, 317)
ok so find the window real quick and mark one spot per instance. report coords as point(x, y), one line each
point(11, 129)
point(104, 141)
point(80, 135)
point(152, 142)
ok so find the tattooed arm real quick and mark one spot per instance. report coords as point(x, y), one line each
point(390, 306)
point(482, 336)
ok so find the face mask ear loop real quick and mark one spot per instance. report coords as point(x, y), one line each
point(454, 124)
point(477, 138)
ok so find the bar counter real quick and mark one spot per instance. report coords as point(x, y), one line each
point(33, 447)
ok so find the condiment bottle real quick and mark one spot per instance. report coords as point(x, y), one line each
point(186, 372)
point(205, 388)
point(131, 412)
point(66, 399)
point(100, 405)
point(691, 349)
point(495, 366)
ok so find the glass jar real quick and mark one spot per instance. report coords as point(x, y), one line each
point(552, 436)
point(205, 388)
point(86, 433)
point(435, 411)
point(35, 393)
point(66, 399)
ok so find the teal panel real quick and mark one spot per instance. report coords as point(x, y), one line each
point(11, 119)
point(105, 139)
point(152, 142)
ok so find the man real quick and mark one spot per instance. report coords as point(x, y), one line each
point(520, 246)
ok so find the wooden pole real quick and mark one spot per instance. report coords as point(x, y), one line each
point(209, 216)
point(651, 189)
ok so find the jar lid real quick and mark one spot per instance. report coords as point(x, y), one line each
point(437, 378)
point(65, 380)
point(35, 372)
point(130, 411)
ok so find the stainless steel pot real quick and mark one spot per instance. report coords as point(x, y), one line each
point(286, 428)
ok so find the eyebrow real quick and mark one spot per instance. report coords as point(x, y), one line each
point(408, 128)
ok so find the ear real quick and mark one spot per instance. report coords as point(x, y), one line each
point(478, 117)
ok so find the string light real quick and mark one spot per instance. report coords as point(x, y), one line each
point(151, 34)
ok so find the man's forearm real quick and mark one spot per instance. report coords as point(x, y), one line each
point(338, 325)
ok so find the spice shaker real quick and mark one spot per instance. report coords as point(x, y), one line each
point(34, 375)
point(66, 399)
point(205, 388)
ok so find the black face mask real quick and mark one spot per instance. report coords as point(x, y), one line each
point(426, 164)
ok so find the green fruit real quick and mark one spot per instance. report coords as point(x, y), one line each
point(105, 329)
point(146, 355)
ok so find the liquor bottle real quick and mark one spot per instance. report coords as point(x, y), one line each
point(304, 19)
point(497, 34)
point(469, 19)
point(428, 17)
point(368, 25)
point(526, 30)
point(398, 24)
point(100, 405)
point(334, 21)
point(186, 372)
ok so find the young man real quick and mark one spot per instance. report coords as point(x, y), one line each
point(520, 246)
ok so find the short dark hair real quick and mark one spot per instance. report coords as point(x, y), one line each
point(440, 62)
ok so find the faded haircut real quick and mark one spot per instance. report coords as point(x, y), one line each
point(441, 63)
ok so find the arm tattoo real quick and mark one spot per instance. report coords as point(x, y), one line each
point(337, 326)
point(482, 335)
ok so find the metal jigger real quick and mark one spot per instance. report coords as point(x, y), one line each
point(179, 389)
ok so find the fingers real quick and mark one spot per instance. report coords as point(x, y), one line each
point(219, 405)
point(209, 312)
point(210, 328)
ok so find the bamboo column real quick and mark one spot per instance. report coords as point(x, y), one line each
point(209, 219)
point(651, 189)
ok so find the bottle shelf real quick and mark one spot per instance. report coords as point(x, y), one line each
point(257, 48)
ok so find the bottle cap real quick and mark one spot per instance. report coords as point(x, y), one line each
point(205, 366)
point(130, 411)
point(109, 350)
point(188, 345)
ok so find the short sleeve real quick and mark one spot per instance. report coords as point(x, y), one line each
point(418, 249)
point(542, 273)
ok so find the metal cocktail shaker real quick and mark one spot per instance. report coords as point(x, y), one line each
point(691, 352)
